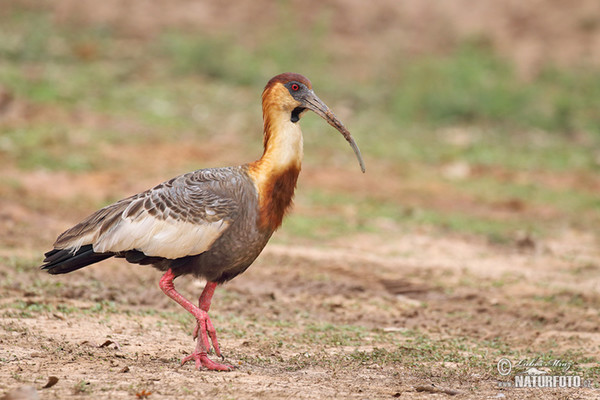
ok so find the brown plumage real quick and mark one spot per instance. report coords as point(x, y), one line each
point(211, 223)
point(276, 198)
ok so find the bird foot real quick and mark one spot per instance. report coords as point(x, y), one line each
point(201, 359)
point(205, 333)
point(206, 330)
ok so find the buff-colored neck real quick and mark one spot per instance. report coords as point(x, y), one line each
point(283, 146)
point(276, 172)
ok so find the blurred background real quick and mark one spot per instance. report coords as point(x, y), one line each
point(479, 123)
point(479, 118)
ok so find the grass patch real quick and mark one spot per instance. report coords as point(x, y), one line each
point(48, 147)
point(20, 264)
point(231, 61)
point(334, 335)
point(331, 219)
point(466, 105)
point(473, 86)
point(470, 86)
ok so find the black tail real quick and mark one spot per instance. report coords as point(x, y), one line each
point(63, 261)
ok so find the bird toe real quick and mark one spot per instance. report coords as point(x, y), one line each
point(202, 360)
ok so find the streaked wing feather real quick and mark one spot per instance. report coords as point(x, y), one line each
point(178, 218)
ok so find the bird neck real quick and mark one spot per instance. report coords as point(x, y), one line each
point(275, 174)
point(283, 145)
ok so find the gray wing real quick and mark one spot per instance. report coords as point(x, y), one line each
point(178, 218)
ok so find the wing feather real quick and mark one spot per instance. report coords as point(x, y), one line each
point(178, 218)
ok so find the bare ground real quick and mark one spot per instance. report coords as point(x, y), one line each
point(308, 320)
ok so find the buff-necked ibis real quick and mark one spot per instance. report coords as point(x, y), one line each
point(211, 223)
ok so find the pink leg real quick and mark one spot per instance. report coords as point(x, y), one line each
point(204, 304)
point(200, 353)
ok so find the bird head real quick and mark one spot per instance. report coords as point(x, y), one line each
point(292, 94)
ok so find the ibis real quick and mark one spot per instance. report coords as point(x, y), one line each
point(211, 223)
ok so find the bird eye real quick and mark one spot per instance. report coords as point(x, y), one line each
point(295, 87)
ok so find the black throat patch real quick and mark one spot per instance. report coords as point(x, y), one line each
point(296, 114)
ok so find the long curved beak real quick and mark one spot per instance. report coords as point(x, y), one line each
point(312, 102)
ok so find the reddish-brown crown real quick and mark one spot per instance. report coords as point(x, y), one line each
point(288, 77)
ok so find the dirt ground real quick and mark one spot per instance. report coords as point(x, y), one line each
point(108, 332)
point(405, 313)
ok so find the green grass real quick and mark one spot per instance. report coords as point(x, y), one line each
point(327, 217)
point(514, 150)
point(333, 335)
point(52, 147)
point(230, 61)
point(427, 356)
point(405, 114)
point(82, 387)
point(20, 263)
point(574, 203)
point(472, 85)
